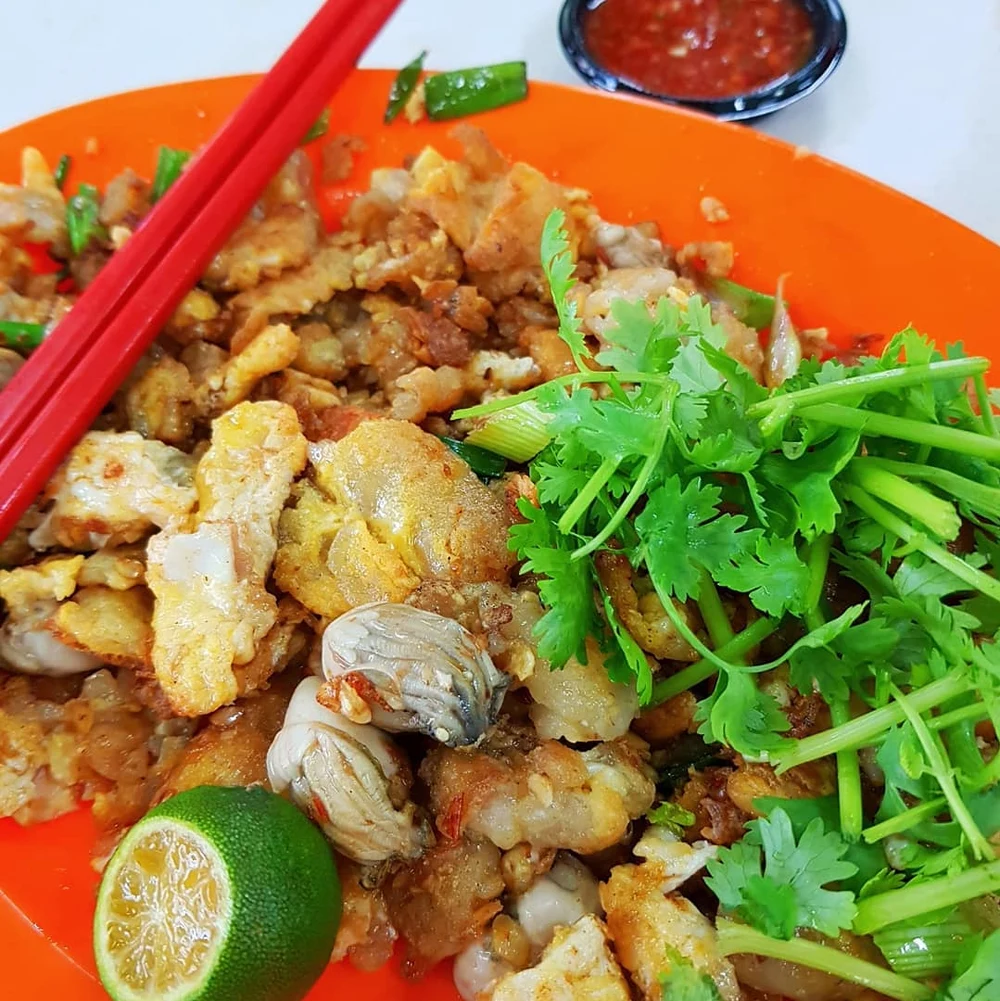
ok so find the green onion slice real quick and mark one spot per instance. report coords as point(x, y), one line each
point(468, 92)
point(169, 165)
point(318, 128)
point(483, 463)
point(82, 218)
point(62, 170)
point(403, 86)
point(21, 336)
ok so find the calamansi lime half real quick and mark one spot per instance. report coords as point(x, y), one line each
point(217, 895)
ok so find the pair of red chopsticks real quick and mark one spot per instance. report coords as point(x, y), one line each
point(69, 378)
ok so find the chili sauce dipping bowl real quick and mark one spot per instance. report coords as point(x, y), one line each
point(829, 29)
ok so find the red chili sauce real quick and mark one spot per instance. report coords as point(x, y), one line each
point(699, 48)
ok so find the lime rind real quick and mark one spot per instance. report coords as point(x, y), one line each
point(284, 906)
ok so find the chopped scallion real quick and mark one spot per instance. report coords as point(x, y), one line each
point(318, 128)
point(468, 92)
point(169, 165)
point(403, 86)
point(926, 949)
point(519, 433)
point(482, 462)
point(62, 170)
point(21, 336)
point(753, 308)
point(82, 218)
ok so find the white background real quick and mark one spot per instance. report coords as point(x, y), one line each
point(914, 102)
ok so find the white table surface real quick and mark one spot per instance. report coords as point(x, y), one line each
point(912, 104)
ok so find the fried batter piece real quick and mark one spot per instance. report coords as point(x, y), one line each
point(212, 609)
point(114, 488)
point(646, 919)
point(388, 506)
point(443, 900)
point(514, 788)
point(579, 702)
point(281, 231)
point(577, 965)
point(232, 749)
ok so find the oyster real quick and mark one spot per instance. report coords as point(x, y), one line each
point(350, 779)
point(406, 669)
point(28, 646)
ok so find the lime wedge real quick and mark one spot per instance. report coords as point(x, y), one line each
point(217, 895)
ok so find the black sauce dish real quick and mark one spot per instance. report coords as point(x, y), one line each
point(829, 27)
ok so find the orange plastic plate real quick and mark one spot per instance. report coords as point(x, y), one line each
point(862, 259)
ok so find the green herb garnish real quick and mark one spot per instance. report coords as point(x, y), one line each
point(82, 218)
point(169, 164)
point(403, 86)
point(468, 92)
point(485, 464)
point(62, 170)
point(319, 128)
point(22, 336)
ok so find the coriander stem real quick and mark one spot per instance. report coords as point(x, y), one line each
point(852, 816)
point(934, 752)
point(736, 938)
point(905, 429)
point(971, 713)
point(713, 613)
point(865, 730)
point(904, 821)
point(915, 899)
point(985, 407)
point(818, 561)
point(586, 496)
point(937, 514)
point(740, 645)
point(968, 491)
point(976, 579)
point(875, 382)
point(639, 487)
point(574, 379)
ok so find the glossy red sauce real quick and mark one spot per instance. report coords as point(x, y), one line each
point(699, 48)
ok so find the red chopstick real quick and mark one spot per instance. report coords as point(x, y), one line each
point(66, 382)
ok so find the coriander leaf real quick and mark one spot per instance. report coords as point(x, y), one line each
point(691, 366)
point(980, 979)
point(739, 714)
point(672, 816)
point(772, 574)
point(804, 866)
point(919, 575)
point(683, 534)
point(774, 904)
point(809, 481)
point(640, 341)
point(626, 662)
point(558, 484)
point(682, 982)
point(566, 587)
point(558, 265)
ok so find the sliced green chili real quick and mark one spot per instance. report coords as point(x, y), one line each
point(467, 92)
point(403, 86)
